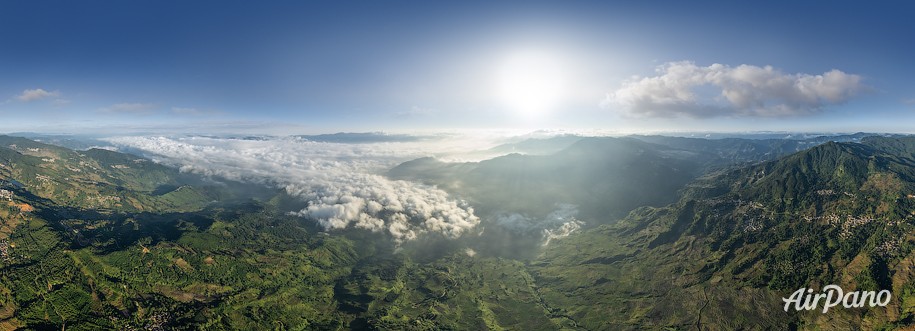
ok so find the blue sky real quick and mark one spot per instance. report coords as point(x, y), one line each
point(316, 67)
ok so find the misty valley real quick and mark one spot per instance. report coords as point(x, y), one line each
point(379, 232)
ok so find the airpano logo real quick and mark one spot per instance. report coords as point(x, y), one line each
point(833, 295)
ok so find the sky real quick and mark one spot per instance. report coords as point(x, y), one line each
point(310, 67)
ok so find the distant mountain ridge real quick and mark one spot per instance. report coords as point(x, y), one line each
point(609, 176)
point(606, 176)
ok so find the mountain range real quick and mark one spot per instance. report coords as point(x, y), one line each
point(659, 233)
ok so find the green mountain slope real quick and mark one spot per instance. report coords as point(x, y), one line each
point(740, 240)
point(96, 179)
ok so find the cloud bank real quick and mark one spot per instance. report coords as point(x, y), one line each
point(685, 89)
point(340, 182)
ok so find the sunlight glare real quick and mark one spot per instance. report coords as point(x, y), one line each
point(530, 83)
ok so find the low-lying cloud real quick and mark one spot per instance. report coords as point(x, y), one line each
point(562, 231)
point(685, 89)
point(559, 223)
point(340, 182)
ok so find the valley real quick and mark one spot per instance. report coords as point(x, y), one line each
point(674, 233)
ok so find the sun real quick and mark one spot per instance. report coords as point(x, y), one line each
point(530, 82)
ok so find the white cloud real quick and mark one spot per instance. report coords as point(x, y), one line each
point(563, 231)
point(340, 182)
point(129, 108)
point(557, 224)
point(470, 252)
point(36, 94)
point(685, 89)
